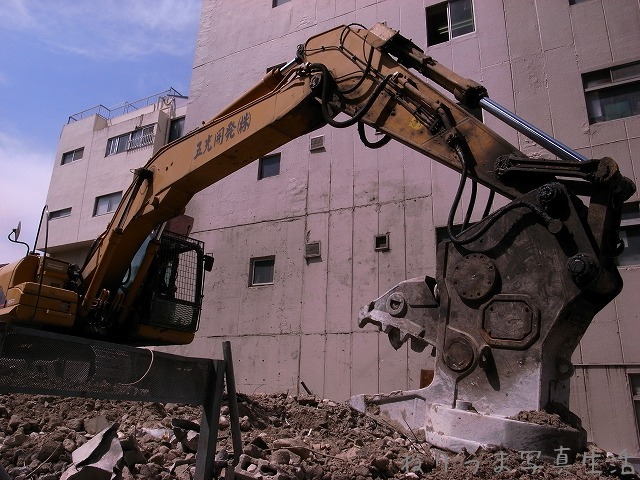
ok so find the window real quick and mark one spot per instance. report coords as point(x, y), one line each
point(381, 242)
point(269, 166)
point(140, 137)
point(176, 128)
point(634, 380)
point(72, 156)
point(613, 92)
point(277, 3)
point(630, 235)
point(262, 271)
point(106, 203)
point(449, 20)
point(65, 212)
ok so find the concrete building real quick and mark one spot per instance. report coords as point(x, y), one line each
point(97, 150)
point(571, 67)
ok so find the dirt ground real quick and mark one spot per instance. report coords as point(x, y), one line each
point(283, 438)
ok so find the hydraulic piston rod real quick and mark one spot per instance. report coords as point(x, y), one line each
point(535, 134)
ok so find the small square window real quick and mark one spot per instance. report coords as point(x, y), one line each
point(64, 212)
point(262, 271)
point(448, 20)
point(72, 156)
point(277, 3)
point(382, 242)
point(269, 166)
point(106, 203)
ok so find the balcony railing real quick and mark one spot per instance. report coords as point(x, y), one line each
point(126, 107)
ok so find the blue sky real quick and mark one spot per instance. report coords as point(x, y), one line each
point(59, 57)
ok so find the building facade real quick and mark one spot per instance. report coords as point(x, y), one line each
point(569, 67)
point(97, 151)
point(305, 237)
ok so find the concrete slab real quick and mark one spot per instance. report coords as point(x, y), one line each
point(364, 362)
point(628, 316)
point(337, 371)
point(312, 363)
point(551, 14)
point(390, 164)
point(365, 175)
point(566, 98)
point(523, 35)
point(342, 166)
point(421, 238)
point(314, 302)
point(345, 6)
point(325, 10)
point(417, 174)
point(623, 25)
point(492, 33)
point(365, 260)
point(339, 316)
point(392, 366)
point(391, 264)
point(590, 34)
point(601, 344)
point(318, 191)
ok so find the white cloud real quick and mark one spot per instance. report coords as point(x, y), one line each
point(108, 28)
point(24, 180)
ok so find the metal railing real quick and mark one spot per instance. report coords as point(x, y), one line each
point(125, 107)
point(140, 141)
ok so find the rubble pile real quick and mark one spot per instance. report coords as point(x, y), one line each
point(283, 438)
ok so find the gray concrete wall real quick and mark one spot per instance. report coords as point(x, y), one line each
point(530, 56)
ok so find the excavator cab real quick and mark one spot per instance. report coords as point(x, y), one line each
point(172, 294)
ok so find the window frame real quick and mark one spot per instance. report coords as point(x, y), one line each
point(261, 165)
point(176, 125)
point(125, 142)
point(111, 204)
point(630, 223)
point(61, 213)
point(76, 154)
point(252, 270)
point(450, 30)
point(604, 80)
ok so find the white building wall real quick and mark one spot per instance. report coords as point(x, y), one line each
point(76, 184)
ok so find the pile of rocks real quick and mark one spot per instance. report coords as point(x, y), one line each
point(282, 438)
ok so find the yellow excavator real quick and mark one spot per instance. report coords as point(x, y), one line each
point(514, 292)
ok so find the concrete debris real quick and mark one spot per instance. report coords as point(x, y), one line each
point(97, 459)
point(284, 438)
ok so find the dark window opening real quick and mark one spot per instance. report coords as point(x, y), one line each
point(448, 20)
point(269, 166)
point(72, 156)
point(64, 212)
point(176, 129)
point(262, 271)
point(612, 93)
